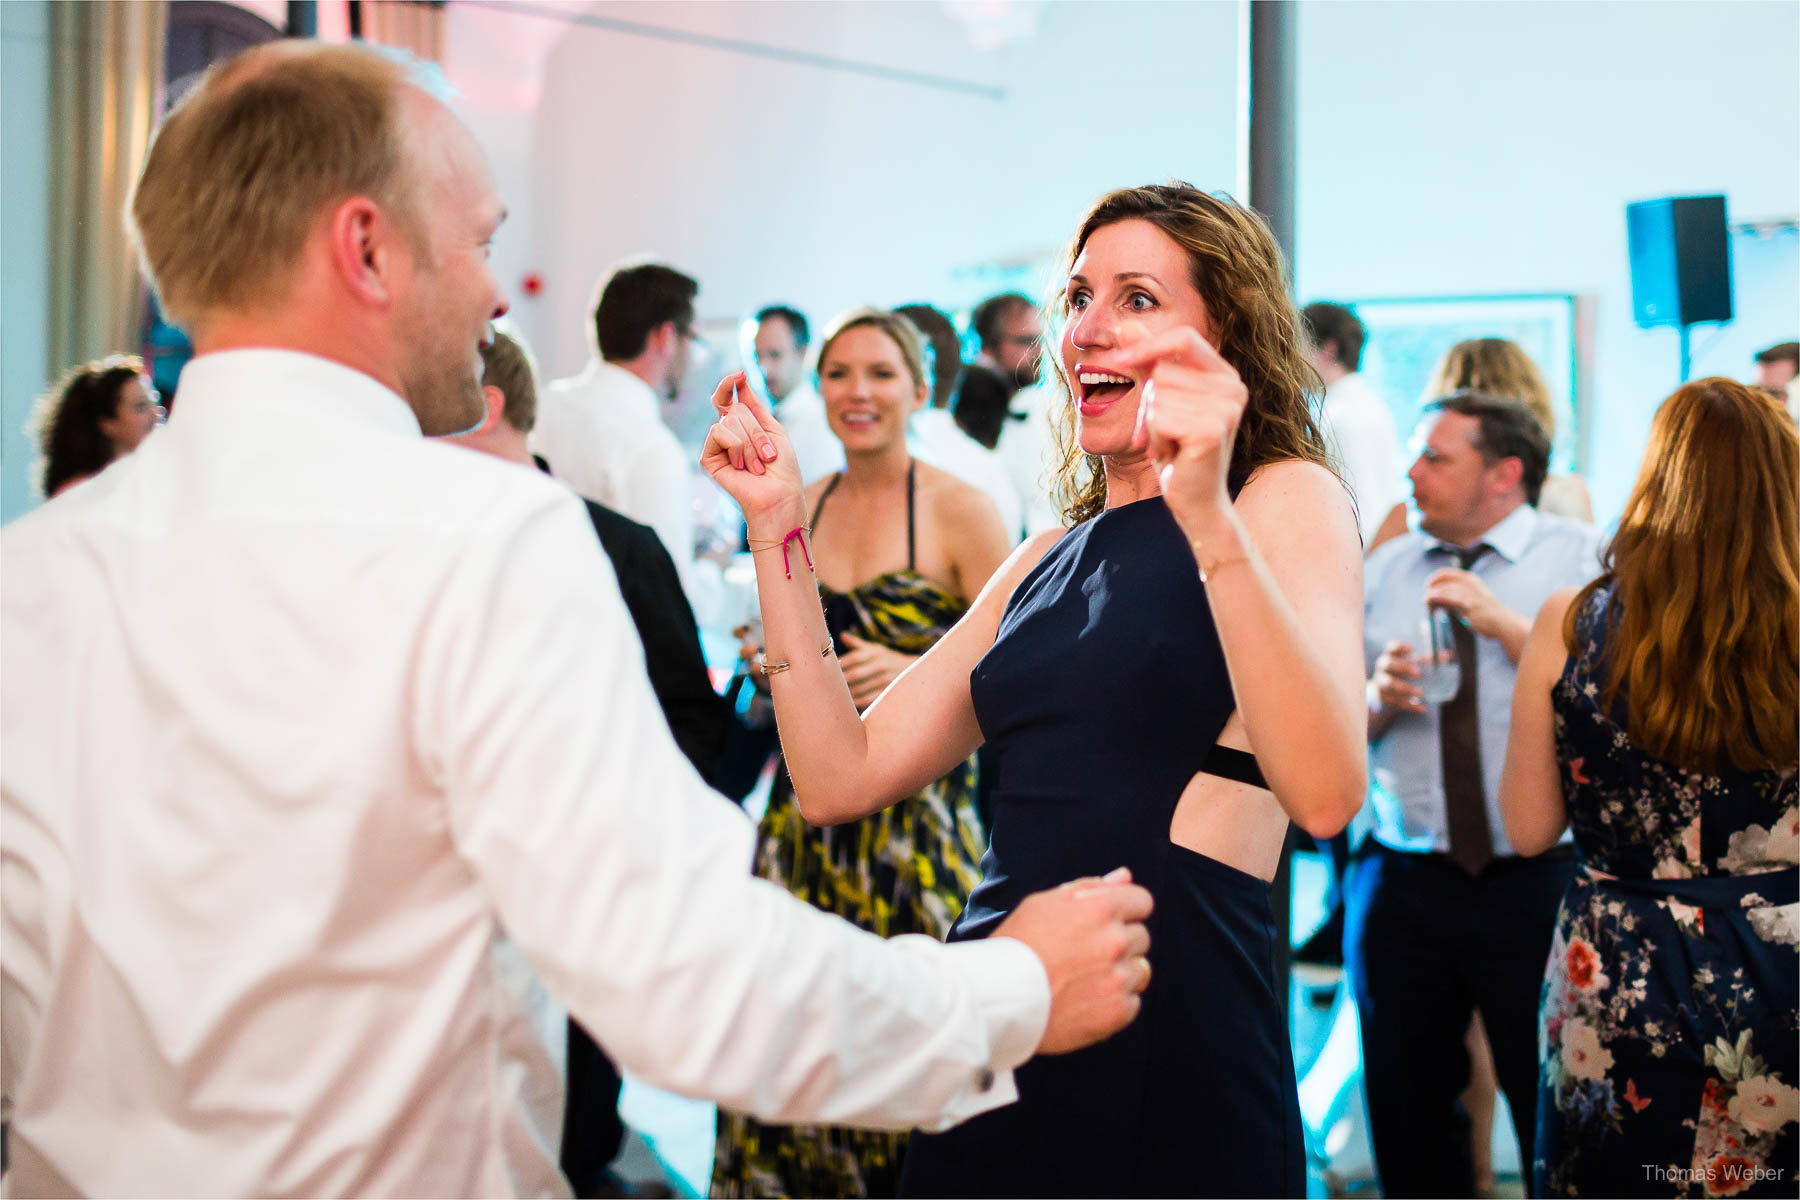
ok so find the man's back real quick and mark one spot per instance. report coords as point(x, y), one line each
point(315, 735)
point(217, 854)
point(604, 436)
point(1360, 435)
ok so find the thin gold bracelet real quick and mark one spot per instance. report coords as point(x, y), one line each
point(1209, 568)
point(769, 668)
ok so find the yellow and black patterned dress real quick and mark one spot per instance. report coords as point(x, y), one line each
point(906, 869)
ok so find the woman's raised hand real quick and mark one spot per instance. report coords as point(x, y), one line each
point(1188, 418)
point(747, 452)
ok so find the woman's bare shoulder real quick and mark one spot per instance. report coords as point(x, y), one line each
point(1294, 478)
point(1302, 507)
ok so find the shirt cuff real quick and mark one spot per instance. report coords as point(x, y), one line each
point(1011, 991)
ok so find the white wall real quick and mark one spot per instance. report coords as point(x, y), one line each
point(783, 180)
point(1458, 149)
point(24, 239)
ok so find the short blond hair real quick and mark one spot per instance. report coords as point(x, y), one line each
point(245, 164)
point(506, 365)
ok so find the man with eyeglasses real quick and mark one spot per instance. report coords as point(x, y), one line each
point(1011, 335)
point(602, 431)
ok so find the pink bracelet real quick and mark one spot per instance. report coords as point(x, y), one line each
point(797, 531)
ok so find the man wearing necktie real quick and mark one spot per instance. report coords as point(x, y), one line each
point(1443, 919)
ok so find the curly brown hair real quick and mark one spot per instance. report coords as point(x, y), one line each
point(1242, 279)
point(67, 419)
point(1704, 572)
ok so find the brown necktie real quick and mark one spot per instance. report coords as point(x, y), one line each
point(1459, 749)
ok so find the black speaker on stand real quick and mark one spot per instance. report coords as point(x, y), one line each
point(1680, 264)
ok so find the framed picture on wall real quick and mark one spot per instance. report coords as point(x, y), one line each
point(1409, 336)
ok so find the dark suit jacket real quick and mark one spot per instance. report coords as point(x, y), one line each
point(697, 715)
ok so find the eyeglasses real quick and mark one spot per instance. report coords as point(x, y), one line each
point(699, 349)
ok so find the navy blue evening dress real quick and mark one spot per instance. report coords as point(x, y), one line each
point(1103, 695)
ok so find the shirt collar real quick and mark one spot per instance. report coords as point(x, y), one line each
point(626, 386)
point(298, 383)
point(1509, 536)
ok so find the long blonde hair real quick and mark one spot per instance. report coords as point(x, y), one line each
point(1238, 270)
point(1494, 365)
point(1704, 638)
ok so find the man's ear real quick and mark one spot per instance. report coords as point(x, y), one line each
point(496, 409)
point(664, 337)
point(367, 248)
point(1509, 473)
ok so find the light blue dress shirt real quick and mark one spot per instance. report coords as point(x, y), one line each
point(1532, 555)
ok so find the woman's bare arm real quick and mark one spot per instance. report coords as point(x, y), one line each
point(1283, 564)
point(844, 765)
point(1287, 601)
point(1531, 795)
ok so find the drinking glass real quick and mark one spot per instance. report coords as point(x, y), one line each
point(1440, 674)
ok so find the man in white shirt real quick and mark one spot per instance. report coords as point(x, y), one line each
point(602, 431)
point(1010, 332)
point(932, 432)
point(1358, 427)
point(777, 338)
point(324, 742)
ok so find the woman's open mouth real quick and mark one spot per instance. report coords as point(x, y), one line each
point(1096, 389)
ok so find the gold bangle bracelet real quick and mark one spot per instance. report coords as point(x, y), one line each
point(769, 668)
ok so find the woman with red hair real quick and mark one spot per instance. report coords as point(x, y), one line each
point(1655, 715)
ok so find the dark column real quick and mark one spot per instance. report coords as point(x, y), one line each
point(1272, 105)
point(303, 18)
point(1273, 35)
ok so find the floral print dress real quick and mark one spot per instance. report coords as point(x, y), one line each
point(1667, 1034)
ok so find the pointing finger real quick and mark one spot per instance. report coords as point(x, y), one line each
point(1183, 342)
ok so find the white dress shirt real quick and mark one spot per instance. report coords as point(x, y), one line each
point(936, 438)
point(802, 414)
point(1532, 555)
point(603, 434)
point(1360, 436)
point(316, 734)
point(1027, 449)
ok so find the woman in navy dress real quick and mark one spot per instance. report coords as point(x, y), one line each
point(1655, 716)
point(1163, 687)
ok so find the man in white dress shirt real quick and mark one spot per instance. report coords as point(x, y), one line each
point(325, 742)
point(1010, 332)
point(933, 434)
point(1358, 427)
point(778, 338)
point(602, 431)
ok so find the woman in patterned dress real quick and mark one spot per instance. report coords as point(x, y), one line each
point(900, 549)
point(1655, 716)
